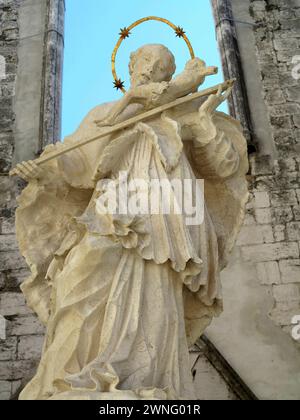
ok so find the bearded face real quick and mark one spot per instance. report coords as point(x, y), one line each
point(151, 63)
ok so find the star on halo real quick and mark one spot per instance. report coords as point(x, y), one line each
point(118, 84)
point(124, 33)
point(179, 32)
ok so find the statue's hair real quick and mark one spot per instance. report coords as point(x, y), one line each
point(158, 50)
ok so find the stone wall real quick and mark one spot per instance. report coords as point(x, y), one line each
point(20, 350)
point(274, 214)
point(262, 281)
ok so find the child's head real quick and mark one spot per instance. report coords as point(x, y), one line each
point(151, 63)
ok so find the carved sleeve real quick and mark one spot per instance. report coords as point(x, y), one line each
point(216, 159)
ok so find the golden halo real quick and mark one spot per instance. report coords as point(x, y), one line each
point(125, 32)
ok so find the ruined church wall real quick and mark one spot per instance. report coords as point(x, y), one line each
point(262, 281)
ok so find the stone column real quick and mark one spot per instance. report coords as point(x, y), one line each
point(231, 63)
point(50, 117)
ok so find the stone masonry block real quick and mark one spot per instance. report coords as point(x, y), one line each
point(263, 216)
point(30, 347)
point(262, 199)
point(290, 271)
point(279, 233)
point(8, 348)
point(5, 390)
point(8, 243)
point(268, 273)
point(296, 211)
point(286, 292)
point(11, 259)
point(282, 215)
point(283, 317)
point(293, 231)
point(270, 252)
point(15, 370)
point(13, 304)
point(26, 325)
point(283, 198)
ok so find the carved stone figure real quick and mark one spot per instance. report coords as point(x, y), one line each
point(123, 296)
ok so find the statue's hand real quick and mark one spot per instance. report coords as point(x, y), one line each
point(213, 101)
point(199, 66)
point(28, 171)
point(207, 130)
point(107, 122)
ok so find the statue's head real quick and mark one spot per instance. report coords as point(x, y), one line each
point(151, 63)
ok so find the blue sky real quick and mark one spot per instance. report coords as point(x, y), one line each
point(91, 33)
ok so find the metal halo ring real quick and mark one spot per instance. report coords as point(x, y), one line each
point(125, 32)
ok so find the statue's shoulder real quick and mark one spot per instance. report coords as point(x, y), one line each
point(98, 113)
point(88, 125)
point(220, 118)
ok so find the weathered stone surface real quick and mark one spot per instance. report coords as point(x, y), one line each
point(288, 305)
point(286, 109)
point(286, 198)
point(262, 199)
point(279, 233)
point(249, 219)
point(261, 165)
point(276, 47)
point(26, 325)
point(268, 273)
point(13, 304)
point(15, 277)
point(8, 243)
point(208, 382)
point(255, 235)
point(8, 348)
point(290, 271)
point(293, 94)
point(286, 292)
point(30, 347)
point(296, 120)
point(285, 43)
point(5, 390)
point(14, 370)
point(296, 212)
point(282, 215)
point(11, 259)
point(293, 231)
point(270, 252)
point(263, 216)
point(13, 132)
point(15, 386)
point(284, 318)
point(7, 225)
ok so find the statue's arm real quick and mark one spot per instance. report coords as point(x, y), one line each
point(29, 171)
point(77, 167)
point(212, 151)
point(72, 169)
point(190, 79)
point(155, 94)
point(217, 158)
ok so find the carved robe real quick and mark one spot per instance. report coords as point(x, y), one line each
point(124, 297)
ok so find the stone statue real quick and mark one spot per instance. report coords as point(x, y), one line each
point(123, 296)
